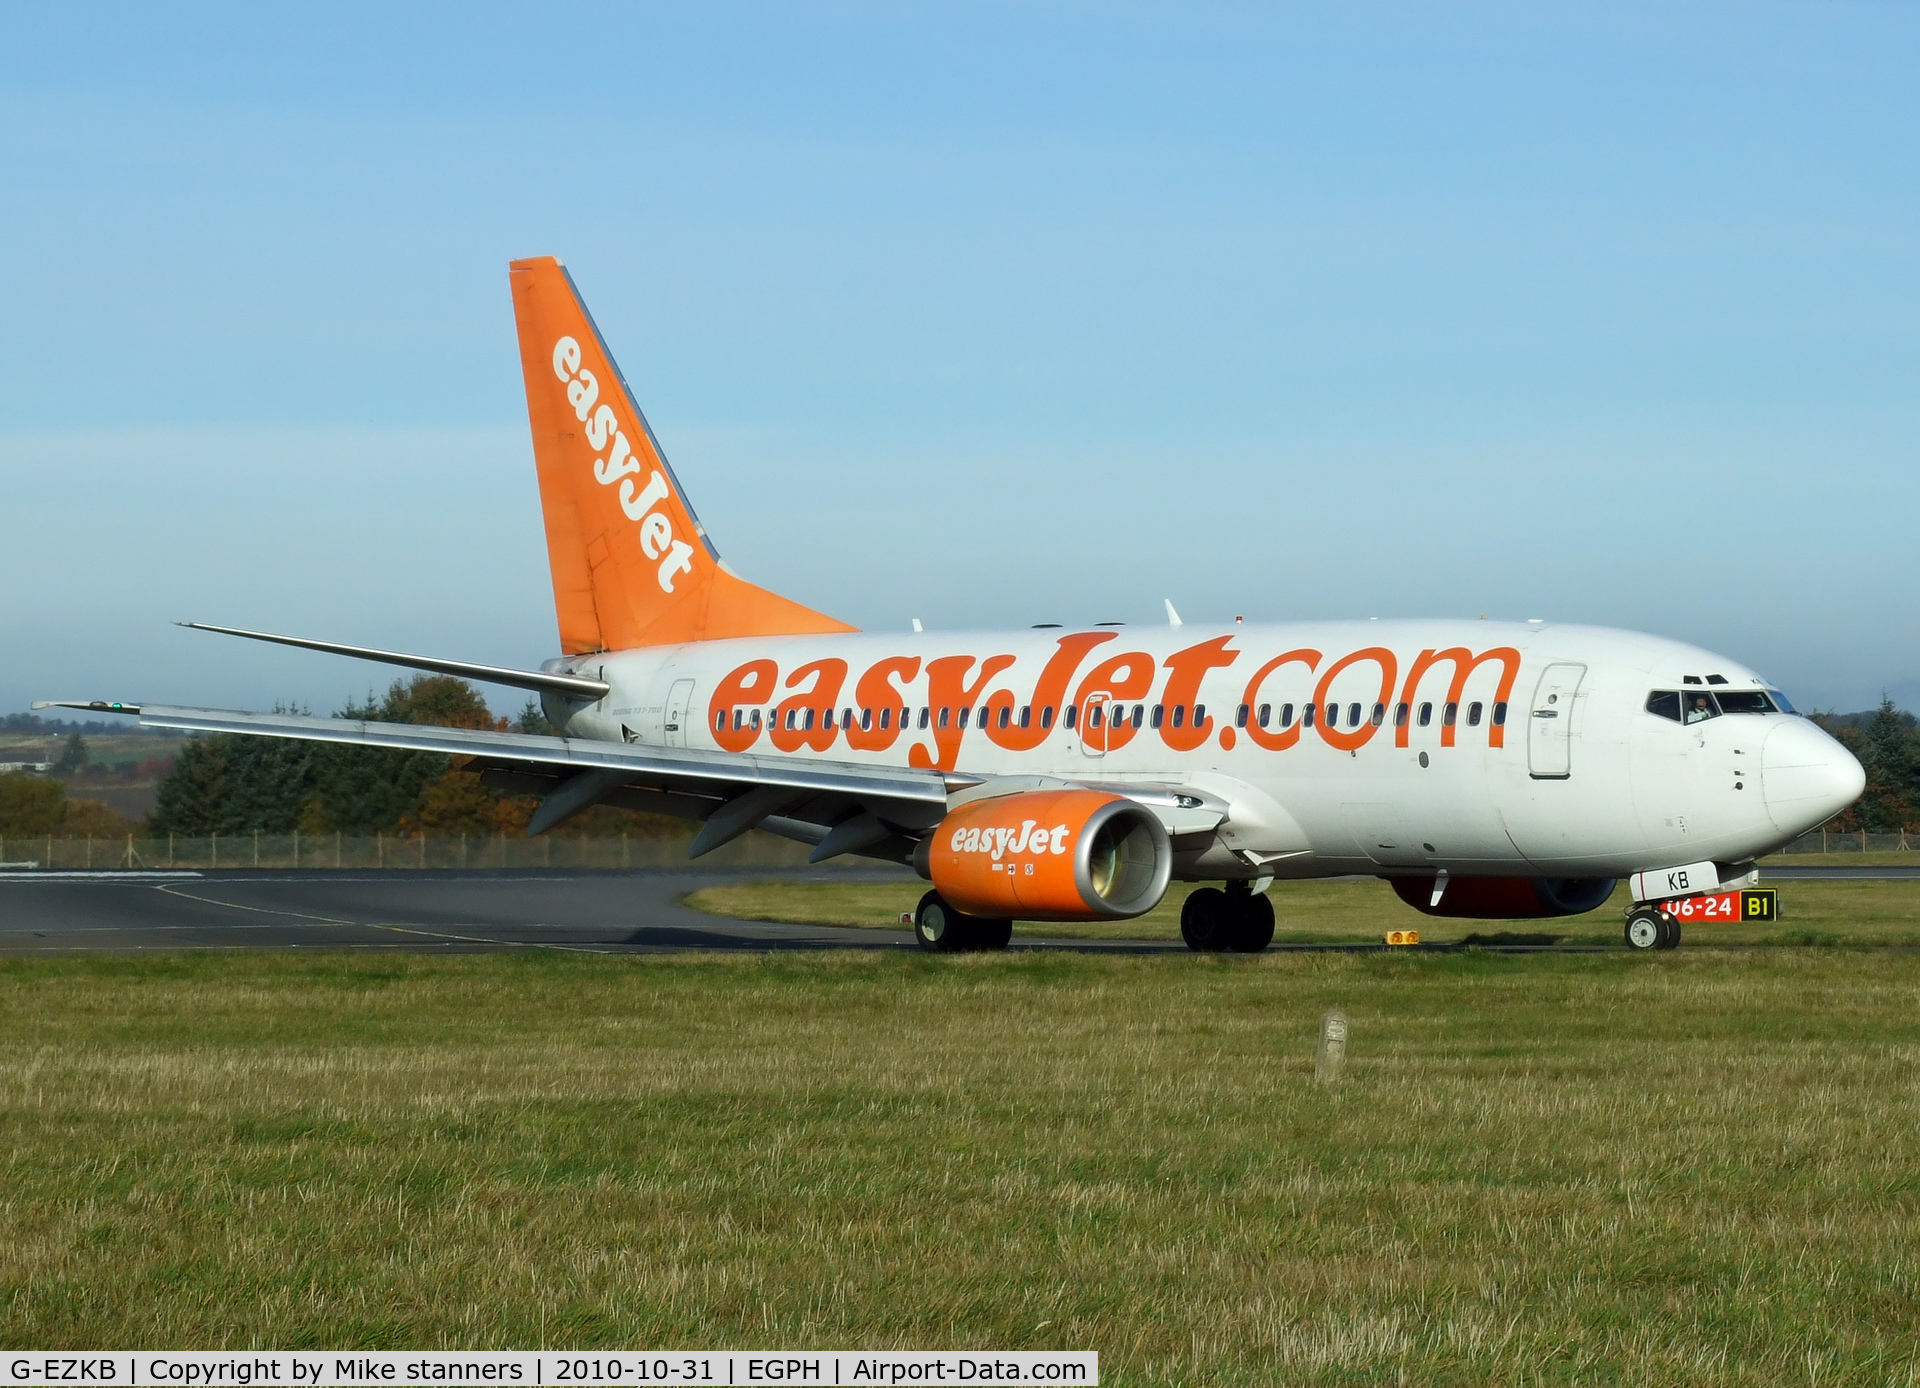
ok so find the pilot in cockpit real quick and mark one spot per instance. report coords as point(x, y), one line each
point(1699, 710)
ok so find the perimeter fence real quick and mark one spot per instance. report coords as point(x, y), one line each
point(327, 852)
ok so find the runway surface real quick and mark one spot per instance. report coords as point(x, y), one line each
point(454, 912)
point(441, 911)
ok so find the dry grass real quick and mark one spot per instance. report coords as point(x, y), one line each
point(1364, 909)
point(1695, 1168)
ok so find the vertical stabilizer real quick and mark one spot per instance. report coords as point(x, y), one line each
point(632, 565)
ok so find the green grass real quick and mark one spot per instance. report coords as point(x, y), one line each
point(1695, 1168)
point(1348, 911)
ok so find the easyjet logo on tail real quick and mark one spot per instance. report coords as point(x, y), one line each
point(621, 465)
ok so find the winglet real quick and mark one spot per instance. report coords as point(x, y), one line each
point(1173, 618)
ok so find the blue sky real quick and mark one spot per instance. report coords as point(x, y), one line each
point(983, 314)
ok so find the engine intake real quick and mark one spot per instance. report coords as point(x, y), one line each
point(1049, 855)
point(1506, 898)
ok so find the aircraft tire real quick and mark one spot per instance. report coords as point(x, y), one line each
point(992, 935)
point(1645, 929)
point(1669, 933)
point(1205, 920)
point(938, 927)
point(1251, 923)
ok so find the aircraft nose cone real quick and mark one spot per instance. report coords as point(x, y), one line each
point(1806, 776)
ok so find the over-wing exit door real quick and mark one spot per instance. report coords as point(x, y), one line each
point(1550, 723)
point(679, 710)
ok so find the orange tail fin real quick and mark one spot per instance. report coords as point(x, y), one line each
point(632, 565)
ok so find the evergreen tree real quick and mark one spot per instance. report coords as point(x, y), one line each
point(73, 755)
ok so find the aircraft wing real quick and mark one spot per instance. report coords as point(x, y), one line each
point(838, 807)
point(797, 797)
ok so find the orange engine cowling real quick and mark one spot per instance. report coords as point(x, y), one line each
point(1050, 855)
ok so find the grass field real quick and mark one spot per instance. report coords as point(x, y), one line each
point(1342, 911)
point(1695, 1168)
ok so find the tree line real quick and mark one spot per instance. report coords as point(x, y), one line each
point(230, 783)
point(233, 784)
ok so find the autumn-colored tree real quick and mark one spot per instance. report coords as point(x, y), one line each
point(30, 805)
point(35, 806)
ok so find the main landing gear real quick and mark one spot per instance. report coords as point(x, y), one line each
point(1648, 927)
point(1236, 920)
point(940, 928)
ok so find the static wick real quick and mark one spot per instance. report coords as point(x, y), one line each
point(1332, 1051)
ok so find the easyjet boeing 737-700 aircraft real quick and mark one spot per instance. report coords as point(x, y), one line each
point(1485, 769)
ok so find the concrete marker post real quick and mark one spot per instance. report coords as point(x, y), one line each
point(1331, 1054)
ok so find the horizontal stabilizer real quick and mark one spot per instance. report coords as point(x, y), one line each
point(573, 686)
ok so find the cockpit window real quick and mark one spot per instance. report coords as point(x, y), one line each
point(1699, 706)
point(1744, 701)
point(1780, 701)
point(1664, 702)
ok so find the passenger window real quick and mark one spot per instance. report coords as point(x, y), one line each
point(792, 715)
point(1179, 715)
point(1199, 714)
point(1306, 715)
point(1666, 703)
point(924, 714)
point(739, 719)
point(1473, 715)
point(756, 720)
point(1353, 715)
point(806, 723)
point(1700, 706)
point(1026, 714)
point(1046, 716)
point(720, 721)
point(1744, 701)
point(1240, 716)
point(1070, 717)
point(1006, 714)
point(1266, 715)
point(944, 718)
point(1500, 714)
point(1426, 715)
point(1094, 715)
point(886, 717)
point(866, 720)
point(1138, 709)
point(1331, 715)
point(1286, 715)
point(1400, 712)
point(1451, 716)
point(964, 715)
point(1379, 714)
point(1159, 714)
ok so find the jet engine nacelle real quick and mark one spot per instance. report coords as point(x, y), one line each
point(1049, 855)
point(1506, 898)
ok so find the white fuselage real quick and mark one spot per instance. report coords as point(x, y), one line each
point(1573, 777)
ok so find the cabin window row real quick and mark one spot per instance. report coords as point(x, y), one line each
point(1332, 715)
point(1098, 715)
point(1117, 715)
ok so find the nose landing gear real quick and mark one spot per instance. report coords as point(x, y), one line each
point(1649, 928)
